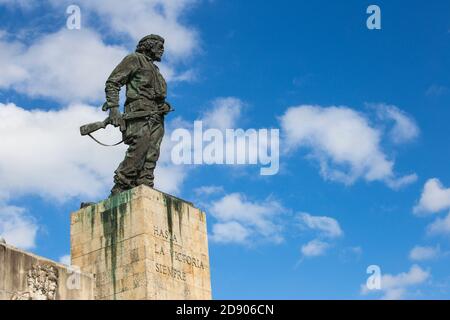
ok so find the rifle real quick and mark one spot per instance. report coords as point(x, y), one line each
point(89, 128)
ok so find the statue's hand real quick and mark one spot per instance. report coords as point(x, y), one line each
point(166, 108)
point(115, 117)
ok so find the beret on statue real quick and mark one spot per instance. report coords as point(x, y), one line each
point(152, 37)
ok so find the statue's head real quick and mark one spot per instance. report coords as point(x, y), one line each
point(152, 46)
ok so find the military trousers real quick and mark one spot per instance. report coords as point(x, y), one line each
point(143, 137)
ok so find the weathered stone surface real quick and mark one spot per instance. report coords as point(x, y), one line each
point(25, 276)
point(143, 244)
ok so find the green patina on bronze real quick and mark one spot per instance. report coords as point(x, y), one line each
point(113, 219)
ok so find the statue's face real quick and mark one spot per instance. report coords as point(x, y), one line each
point(157, 50)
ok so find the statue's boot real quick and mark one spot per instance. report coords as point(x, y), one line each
point(116, 190)
point(146, 176)
point(122, 181)
point(148, 183)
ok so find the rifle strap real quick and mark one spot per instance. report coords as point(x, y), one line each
point(106, 145)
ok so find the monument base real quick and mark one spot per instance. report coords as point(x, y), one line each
point(143, 244)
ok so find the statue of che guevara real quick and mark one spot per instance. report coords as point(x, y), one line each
point(142, 123)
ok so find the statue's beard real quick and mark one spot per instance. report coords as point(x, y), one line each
point(152, 56)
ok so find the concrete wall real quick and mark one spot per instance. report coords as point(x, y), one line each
point(16, 264)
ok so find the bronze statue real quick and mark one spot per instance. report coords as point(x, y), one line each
point(142, 123)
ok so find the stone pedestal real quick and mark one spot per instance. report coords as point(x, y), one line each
point(143, 244)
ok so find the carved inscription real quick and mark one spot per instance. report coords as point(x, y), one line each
point(164, 234)
point(181, 257)
point(170, 271)
point(178, 255)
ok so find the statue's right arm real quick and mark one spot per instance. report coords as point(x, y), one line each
point(118, 78)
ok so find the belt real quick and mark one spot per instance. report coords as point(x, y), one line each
point(140, 114)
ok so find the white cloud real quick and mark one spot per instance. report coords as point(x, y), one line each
point(402, 181)
point(208, 190)
point(12, 71)
point(420, 253)
point(161, 17)
point(67, 66)
point(351, 253)
point(72, 65)
point(439, 226)
point(248, 145)
point(342, 141)
point(42, 153)
point(17, 227)
point(169, 178)
point(314, 248)
point(119, 18)
point(230, 232)
point(170, 73)
point(434, 198)
point(65, 260)
point(224, 113)
point(209, 135)
point(326, 226)
point(404, 129)
point(24, 4)
point(258, 218)
point(394, 287)
point(437, 90)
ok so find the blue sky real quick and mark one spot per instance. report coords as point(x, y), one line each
point(363, 127)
